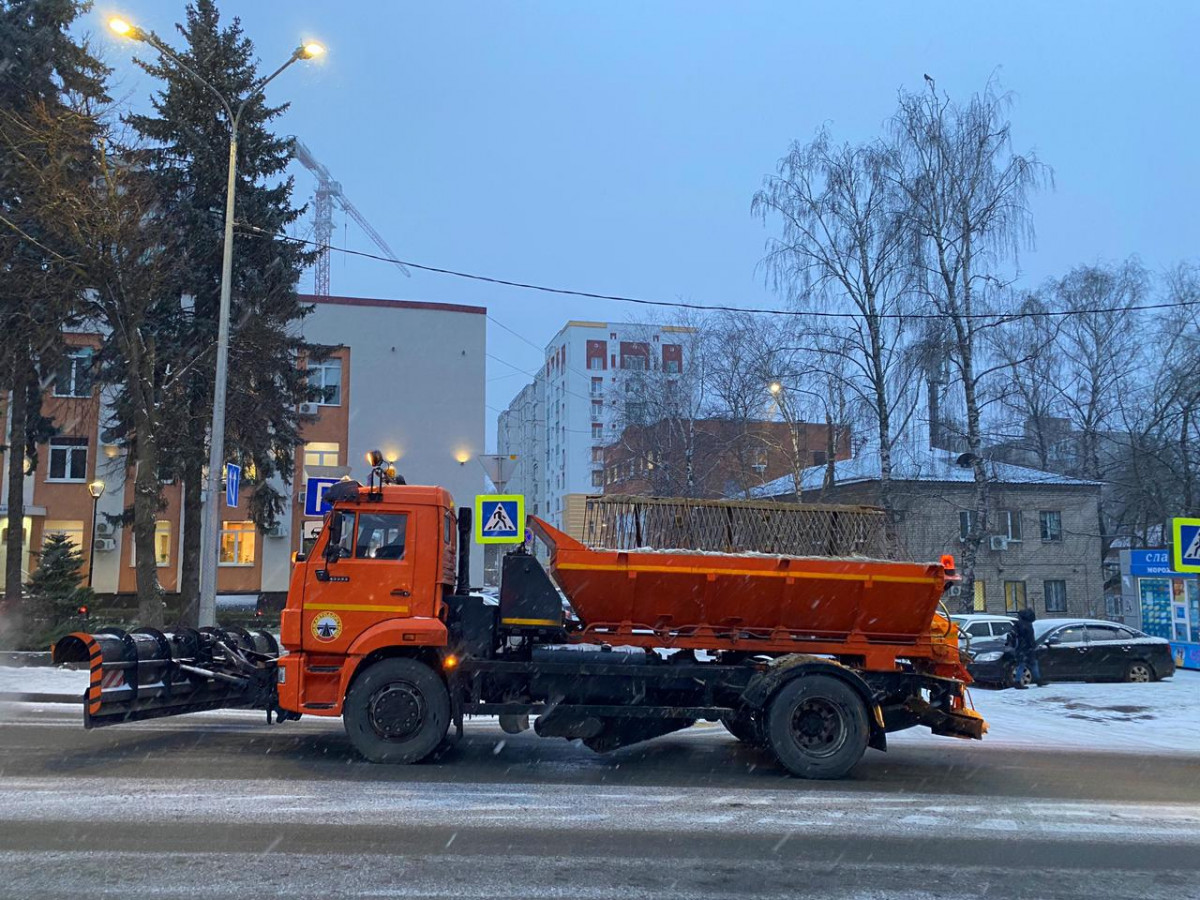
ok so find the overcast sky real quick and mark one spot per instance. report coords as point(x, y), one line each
point(614, 147)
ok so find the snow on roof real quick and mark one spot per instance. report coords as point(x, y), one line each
point(913, 463)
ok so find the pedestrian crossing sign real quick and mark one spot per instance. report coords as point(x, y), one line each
point(499, 519)
point(1187, 545)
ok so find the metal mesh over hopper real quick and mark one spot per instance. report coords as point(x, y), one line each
point(616, 522)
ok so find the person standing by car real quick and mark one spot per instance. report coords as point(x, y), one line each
point(1024, 650)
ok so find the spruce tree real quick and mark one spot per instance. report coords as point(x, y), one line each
point(55, 593)
point(40, 65)
point(189, 133)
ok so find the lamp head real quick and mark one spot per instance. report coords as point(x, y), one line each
point(310, 50)
point(374, 458)
point(126, 29)
point(96, 489)
point(775, 388)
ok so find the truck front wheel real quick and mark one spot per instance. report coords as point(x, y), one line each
point(817, 726)
point(397, 711)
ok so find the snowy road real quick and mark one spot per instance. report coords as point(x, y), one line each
point(219, 805)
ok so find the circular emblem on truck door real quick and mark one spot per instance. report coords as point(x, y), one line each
point(327, 626)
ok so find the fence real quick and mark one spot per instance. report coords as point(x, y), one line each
point(616, 522)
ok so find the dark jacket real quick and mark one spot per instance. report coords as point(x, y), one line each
point(1023, 631)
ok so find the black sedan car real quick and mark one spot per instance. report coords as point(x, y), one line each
point(1078, 650)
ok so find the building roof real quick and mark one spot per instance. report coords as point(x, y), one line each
point(914, 463)
point(394, 304)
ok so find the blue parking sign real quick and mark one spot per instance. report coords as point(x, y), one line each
point(314, 496)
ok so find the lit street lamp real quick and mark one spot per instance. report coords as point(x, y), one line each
point(96, 489)
point(211, 517)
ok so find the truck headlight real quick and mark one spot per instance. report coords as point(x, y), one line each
point(989, 657)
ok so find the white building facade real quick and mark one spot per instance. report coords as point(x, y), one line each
point(559, 425)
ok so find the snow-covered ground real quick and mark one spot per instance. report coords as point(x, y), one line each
point(1163, 717)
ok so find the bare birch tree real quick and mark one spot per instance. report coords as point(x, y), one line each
point(965, 199)
point(844, 242)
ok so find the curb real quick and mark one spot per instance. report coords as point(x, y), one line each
point(21, 697)
point(25, 658)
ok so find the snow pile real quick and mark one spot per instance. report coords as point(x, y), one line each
point(1162, 717)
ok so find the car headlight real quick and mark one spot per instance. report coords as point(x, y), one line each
point(989, 657)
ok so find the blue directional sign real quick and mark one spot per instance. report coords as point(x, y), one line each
point(499, 518)
point(314, 496)
point(233, 482)
point(1187, 544)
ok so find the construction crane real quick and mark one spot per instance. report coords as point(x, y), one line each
point(327, 194)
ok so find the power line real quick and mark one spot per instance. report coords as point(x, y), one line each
point(704, 307)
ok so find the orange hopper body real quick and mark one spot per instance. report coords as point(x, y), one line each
point(875, 611)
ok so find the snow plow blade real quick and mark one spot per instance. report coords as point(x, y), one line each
point(150, 674)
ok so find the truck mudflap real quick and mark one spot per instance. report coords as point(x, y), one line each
point(961, 722)
point(150, 674)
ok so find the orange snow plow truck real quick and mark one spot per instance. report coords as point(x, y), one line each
point(815, 658)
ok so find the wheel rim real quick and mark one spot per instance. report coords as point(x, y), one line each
point(1139, 672)
point(819, 727)
point(396, 711)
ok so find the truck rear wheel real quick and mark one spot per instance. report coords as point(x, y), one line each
point(817, 726)
point(397, 711)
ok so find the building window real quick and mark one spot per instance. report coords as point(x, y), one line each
point(597, 387)
point(321, 453)
point(162, 545)
point(819, 458)
point(672, 358)
point(966, 523)
point(1056, 596)
point(597, 431)
point(980, 599)
point(74, 376)
point(1014, 596)
point(597, 454)
point(636, 412)
point(597, 408)
point(1051, 522)
point(69, 528)
point(68, 459)
point(1008, 523)
point(237, 544)
point(326, 377)
point(598, 479)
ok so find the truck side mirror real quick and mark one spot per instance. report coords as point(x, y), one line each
point(333, 547)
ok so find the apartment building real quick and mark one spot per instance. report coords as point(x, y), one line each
point(559, 425)
point(406, 377)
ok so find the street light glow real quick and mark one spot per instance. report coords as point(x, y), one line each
point(775, 387)
point(119, 26)
point(311, 49)
point(96, 489)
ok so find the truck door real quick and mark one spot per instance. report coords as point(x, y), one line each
point(371, 579)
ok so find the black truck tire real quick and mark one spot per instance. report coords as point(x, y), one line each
point(397, 711)
point(817, 726)
point(746, 727)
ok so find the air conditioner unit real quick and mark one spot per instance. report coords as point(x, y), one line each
point(955, 590)
point(278, 530)
point(104, 529)
point(998, 542)
point(104, 545)
point(309, 409)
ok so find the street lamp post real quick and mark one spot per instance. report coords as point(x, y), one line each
point(780, 395)
point(211, 519)
point(96, 489)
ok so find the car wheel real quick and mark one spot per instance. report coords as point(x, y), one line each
point(1139, 672)
point(397, 711)
point(817, 727)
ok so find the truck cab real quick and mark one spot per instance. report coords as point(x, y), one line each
point(375, 580)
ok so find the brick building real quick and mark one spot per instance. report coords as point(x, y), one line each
point(1043, 549)
point(713, 458)
point(406, 377)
